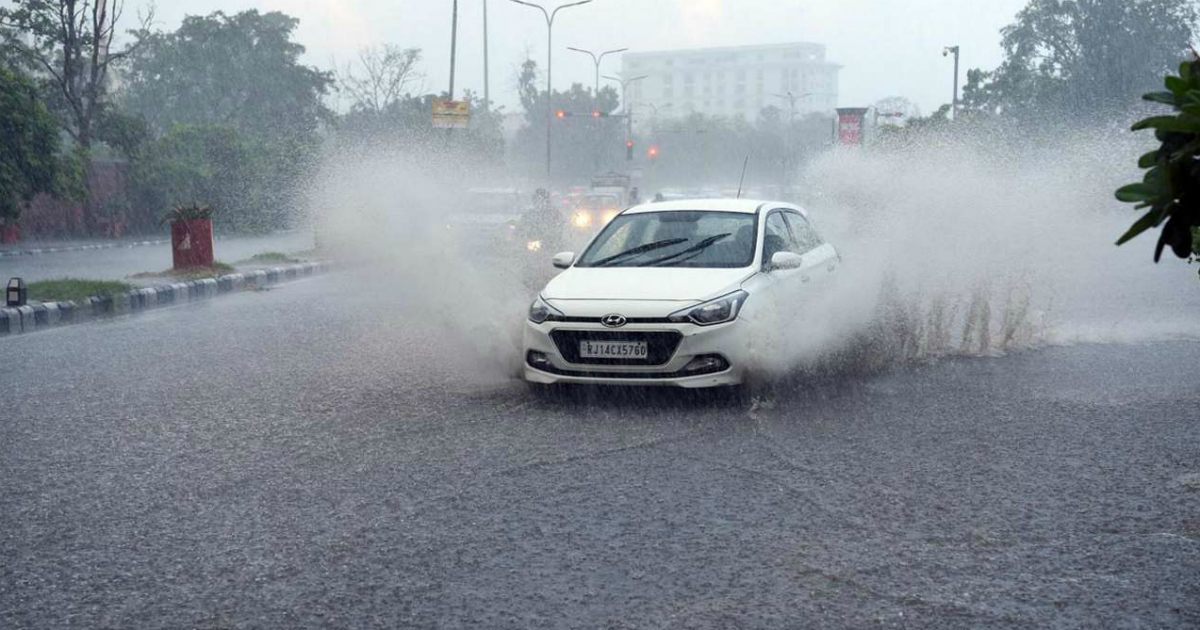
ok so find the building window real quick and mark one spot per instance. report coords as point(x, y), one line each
point(688, 79)
point(668, 79)
point(668, 92)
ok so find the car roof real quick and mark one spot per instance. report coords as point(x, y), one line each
point(747, 206)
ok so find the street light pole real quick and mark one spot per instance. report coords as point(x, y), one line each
point(791, 98)
point(626, 104)
point(953, 103)
point(453, 45)
point(487, 97)
point(549, 15)
point(596, 60)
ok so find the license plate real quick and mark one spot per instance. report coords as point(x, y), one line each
point(614, 349)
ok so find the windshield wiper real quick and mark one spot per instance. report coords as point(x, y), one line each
point(640, 249)
point(694, 250)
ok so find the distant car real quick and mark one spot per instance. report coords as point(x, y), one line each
point(673, 293)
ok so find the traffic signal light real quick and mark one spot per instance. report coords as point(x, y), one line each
point(629, 149)
point(652, 153)
point(562, 113)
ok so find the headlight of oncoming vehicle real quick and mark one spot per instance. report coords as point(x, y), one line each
point(540, 311)
point(718, 311)
point(581, 219)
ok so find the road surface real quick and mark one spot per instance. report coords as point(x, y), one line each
point(324, 459)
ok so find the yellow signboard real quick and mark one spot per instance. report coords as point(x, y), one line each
point(451, 114)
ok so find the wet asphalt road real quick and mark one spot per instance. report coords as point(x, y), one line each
point(328, 463)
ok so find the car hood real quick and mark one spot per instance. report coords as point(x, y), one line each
point(642, 283)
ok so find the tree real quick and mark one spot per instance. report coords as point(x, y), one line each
point(241, 70)
point(29, 145)
point(1083, 58)
point(238, 74)
point(1170, 190)
point(71, 42)
point(381, 78)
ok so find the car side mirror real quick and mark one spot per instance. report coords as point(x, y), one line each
point(786, 260)
point(563, 260)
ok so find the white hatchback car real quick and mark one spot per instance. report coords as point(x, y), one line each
point(674, 294)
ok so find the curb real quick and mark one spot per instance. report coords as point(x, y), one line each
point(79, 248)
point(43, 315)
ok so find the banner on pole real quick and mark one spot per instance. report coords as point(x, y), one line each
point(451, 114)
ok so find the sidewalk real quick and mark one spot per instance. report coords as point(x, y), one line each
point(116, 260)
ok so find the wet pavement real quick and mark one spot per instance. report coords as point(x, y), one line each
point(333, 463)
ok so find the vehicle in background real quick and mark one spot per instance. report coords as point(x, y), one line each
point(482, 219)
point(679, 293)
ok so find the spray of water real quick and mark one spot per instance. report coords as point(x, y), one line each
point(949, 248)
point(956, 248)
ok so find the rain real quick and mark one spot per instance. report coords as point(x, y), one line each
point(709, 314)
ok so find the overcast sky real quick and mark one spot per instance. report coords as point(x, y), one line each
point(887, 47)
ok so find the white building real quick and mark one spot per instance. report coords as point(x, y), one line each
point(736, 81)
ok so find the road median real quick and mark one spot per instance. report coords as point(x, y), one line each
point(43, 315)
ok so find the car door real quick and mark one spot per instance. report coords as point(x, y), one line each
point(820, 258)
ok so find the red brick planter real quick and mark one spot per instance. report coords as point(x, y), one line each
point(10, 234)
point(192, 243)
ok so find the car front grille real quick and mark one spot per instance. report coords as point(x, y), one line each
point(661, 345)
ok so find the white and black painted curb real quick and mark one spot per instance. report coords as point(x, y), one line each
point(43, 315)
point(80, 248)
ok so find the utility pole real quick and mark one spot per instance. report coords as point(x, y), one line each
point(549, 15)
point(487, 96)
point(453, 45)
point(953, 103)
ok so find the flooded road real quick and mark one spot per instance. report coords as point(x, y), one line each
point(311, 456)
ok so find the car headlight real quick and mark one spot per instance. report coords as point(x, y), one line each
point(609, 215)
point(718, 311)
point(581, 219)
point(540, 311)
point(534, 246)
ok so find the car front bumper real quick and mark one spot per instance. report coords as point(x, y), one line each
point(729, 342)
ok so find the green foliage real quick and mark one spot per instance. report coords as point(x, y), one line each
point(1079, 59)
point(1170, 190)
point(29, 145)
point(233, 115)
point(266, 258)
point(217, 269)
point(242, 70)
point(74, 290)
point(210, 162)
point(188, 212)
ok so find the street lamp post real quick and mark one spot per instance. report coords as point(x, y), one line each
point(954, 103)
point(549, 15)
point(487, 96)
point(453, 45)
point(791, 99)
point(596, 60)
point(625, 102)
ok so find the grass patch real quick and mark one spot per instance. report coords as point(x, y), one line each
point(71, 289)
point(268, 258)
point(196, 273)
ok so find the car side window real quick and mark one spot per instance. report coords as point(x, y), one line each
point(776, 236)
point(807, 238)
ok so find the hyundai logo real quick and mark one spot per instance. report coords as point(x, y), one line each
point(613, 321)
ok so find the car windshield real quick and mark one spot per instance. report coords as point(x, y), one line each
point(690, 238)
